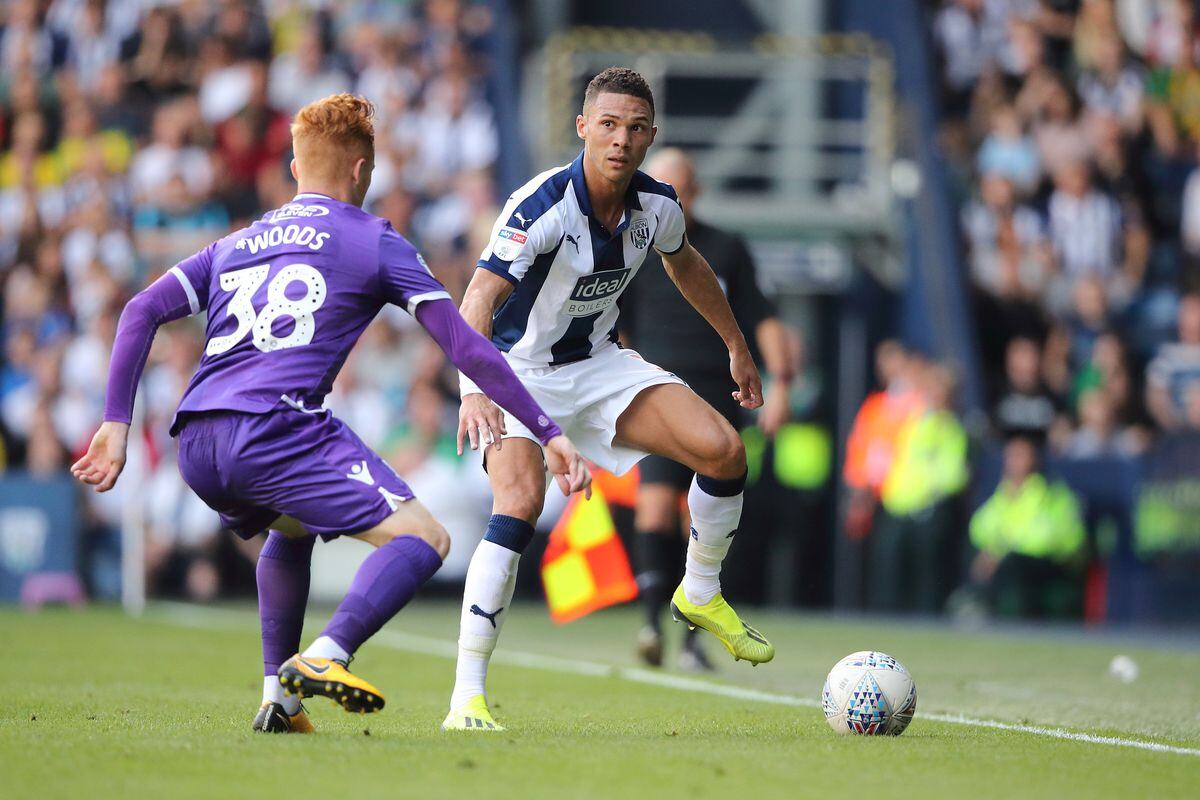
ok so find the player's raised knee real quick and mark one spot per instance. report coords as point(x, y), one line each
point(519, 494)
point(431, 532)
point(526, 506)
point(726, 458)
point(421, 525)
point(435, 536)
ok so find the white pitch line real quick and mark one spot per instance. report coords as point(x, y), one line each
point(200, 617)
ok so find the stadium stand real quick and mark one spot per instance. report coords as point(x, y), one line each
point(1070, 131)
point(131, 135)
point(1060, 164)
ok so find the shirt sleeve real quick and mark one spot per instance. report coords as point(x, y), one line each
point(516, 241)
point(671, 233)
point(403, 275)
point(194, 275)
point(750, 305)
point(167, 299)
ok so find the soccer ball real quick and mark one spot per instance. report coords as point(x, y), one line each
point(869, 693)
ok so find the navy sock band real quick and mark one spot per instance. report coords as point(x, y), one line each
point(721, 488)
point(510, 532)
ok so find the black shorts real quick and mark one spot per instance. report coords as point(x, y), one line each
point(718, 394)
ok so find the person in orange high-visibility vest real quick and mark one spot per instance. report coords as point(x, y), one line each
point(912, 548)
point(871, 446)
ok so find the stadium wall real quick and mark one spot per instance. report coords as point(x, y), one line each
point(503, 89)
point(935, 305)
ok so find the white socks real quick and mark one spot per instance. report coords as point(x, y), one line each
point(273, 693)
point(324, 647)
point(715, 519)
point(491, 580)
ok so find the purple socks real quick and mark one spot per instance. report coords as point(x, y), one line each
point(385, 582)
point(383, 585)
point(283, 571)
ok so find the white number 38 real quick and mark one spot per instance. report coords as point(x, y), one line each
point(245, 282)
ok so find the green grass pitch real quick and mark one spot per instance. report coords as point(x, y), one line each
point(97, 705)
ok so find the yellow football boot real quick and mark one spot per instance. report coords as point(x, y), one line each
point(472, 715)
point(718, 618)
point(272, 718)
point(324, 677)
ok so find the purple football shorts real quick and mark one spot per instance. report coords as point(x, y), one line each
point(251, 468)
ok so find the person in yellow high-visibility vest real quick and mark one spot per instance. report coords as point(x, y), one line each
point(1031, 540)
point(911, 546)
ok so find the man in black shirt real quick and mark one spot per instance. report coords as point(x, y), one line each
point(1025, 406)
point(660, 324)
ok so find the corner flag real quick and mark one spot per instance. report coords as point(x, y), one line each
point(585, 567)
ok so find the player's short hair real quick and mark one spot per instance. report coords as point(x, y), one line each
point(619, 80)
point(333, 132)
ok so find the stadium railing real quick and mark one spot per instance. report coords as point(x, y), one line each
point(774, 152)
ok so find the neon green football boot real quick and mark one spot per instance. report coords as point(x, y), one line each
point(472, 715)
point(718, 618)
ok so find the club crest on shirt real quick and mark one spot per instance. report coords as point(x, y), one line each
point(639, 234)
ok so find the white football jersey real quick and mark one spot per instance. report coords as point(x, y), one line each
point(569, 272)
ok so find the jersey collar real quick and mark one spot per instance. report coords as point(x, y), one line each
point(310, 195)
point(585, 203)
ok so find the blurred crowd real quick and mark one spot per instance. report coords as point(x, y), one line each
point(135, 132)
point(1072, 131)
point(1073, 128)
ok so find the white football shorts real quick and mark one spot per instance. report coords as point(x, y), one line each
point(587, 397)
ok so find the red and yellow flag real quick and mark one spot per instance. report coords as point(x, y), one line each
point(585, 567)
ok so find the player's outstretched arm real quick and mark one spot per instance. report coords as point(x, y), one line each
point(696, 281)
point(479, 419)
point(162, 301)
point(480, 361)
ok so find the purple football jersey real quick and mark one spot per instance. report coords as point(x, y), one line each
point(288, 297)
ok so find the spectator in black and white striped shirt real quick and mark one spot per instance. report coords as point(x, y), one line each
point(1007, 242)
point(1175, 371)
point(1088, 234)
